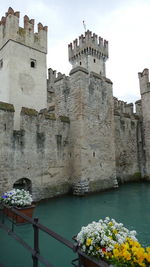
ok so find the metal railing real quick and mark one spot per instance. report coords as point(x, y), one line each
point(35, 251)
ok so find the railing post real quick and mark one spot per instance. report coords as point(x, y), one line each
point(3, 215)
point(36, 243)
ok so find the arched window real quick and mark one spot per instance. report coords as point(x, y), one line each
point(23, 183)
point(32, 63)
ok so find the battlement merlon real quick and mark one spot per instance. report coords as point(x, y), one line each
point(10, 30)
point(88, 45)
point(138, 107)
point(51, 75)
point(144, 81)
point(122, 107)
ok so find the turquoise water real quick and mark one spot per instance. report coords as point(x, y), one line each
point(130, 204)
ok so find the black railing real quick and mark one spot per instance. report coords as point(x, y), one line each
point(35, 251)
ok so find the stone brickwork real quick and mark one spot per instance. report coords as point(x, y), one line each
point(90, 52)
point(92, 136)
point(22, 64)
point(10, 30)
point(145, 108)
point(38, 152)
point(75, 137)
point(127, 148)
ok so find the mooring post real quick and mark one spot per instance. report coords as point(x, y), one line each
point(36, 243)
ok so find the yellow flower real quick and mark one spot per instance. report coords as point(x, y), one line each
point(117, 245)
point(126, 255)
point(134, 250)
point(147, 257)
point(108, 255)
point(88, 242)
point(125, 246)
point(148, 249)
point(116, 252)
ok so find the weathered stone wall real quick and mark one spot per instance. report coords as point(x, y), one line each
point(127, 134)
point(145, 105)
point(22, 64)
point(92, 130)
point(6, 153)
point(87, 99)
point(102, 138)
point(38, 151)
point(76, 139)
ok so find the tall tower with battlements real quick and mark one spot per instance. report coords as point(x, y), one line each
point(145, 103)
point(90, 107)
point(90, 52)
point(22, 63)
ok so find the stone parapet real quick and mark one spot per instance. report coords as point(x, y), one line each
point(10, 30)
point(123, 108)
point(90, 52)
point(88, 44)
point(6, 107)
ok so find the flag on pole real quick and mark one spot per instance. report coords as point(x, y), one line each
point(84, 25)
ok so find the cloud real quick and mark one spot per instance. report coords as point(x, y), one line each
point(129, 43)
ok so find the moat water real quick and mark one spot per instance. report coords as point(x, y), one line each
point(129, 204)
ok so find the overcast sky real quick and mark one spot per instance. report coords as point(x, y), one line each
point(124, 23)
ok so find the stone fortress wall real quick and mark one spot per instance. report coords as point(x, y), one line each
point(38, 151)
point(83, 139)
point(127, 138)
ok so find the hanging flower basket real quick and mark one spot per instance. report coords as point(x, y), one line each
point(111, 244)
point(20, 200)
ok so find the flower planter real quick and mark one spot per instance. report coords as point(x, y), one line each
point(28, 211)
point(88, 263)
point(107, 241)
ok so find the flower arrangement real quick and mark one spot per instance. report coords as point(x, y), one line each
point(111, 241)
point(17, 198)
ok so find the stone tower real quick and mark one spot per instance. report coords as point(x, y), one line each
point(91, 115)
point(145, 101)
point(22, 63)
point(90, 52)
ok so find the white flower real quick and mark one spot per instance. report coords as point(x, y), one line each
point(102, 234)
point(17, 197)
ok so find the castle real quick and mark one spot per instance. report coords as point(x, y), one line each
point(66, 133)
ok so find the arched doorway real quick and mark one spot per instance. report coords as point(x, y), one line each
point(23, 183)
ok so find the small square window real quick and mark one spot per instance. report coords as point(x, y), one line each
point(32, 63)
point(1, 63)
point(93, 154)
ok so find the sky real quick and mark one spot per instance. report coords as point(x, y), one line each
point(124, 23)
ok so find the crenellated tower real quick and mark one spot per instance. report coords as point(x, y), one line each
point(90, 52)
point(22, 63)
point(145, 104)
